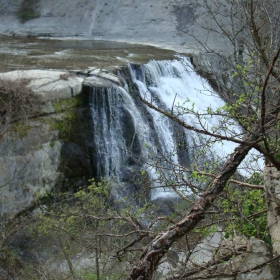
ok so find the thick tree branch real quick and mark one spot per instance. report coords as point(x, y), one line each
point(163, 241)
point(189, 127)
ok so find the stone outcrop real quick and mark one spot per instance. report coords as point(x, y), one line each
point(162, 23)
point(272, 188)
point(52, 150)
point(217, 258)
point(31, 150)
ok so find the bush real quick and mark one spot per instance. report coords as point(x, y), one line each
point(17, 102)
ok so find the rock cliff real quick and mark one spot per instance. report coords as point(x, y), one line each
point(51, 150)
point(163, 23)
point(272, 188)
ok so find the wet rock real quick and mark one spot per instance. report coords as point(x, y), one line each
point(272, 188)
point(106, 75)
point(97, 82)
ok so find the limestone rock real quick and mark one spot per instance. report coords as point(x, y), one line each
point(25, 178)
point(97, 82)
point(213, 253)
point(48, 84)
point(154, 22)
point(105, 75)
point(258, 253)
point(37, 154)
point(272, 188)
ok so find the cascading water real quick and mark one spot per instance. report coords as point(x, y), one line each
point(175, 86)
point(120, 133)
point(130, 137)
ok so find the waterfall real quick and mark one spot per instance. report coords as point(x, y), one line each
point(130, 137)
point(120, 133)
point(174, 84)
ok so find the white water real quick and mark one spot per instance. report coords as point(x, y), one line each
point(176, 85)
point(112, 149)
point(170, 85)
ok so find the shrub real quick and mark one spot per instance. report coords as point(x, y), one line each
point(17, 102)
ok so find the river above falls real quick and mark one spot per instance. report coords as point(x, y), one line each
point(45, 53)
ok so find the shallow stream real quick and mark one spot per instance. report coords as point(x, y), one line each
point(34, 53)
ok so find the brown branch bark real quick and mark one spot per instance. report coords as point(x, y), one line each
point(189, 127)
point(154, 252)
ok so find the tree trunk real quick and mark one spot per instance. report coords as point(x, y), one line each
point(154, 252)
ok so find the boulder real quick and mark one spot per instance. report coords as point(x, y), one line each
point(48, 84)
point(218, 258)
point(106, 75)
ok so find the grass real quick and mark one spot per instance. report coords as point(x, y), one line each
point(21, 128)
point(66, 104)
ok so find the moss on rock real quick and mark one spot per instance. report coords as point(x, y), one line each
point(69, 103)
point(28, 10)
point(21, 128)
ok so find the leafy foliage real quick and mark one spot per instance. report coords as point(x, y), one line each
point(95, 222)
point(246, 211)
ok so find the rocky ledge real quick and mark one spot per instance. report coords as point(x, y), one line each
point(50, 149)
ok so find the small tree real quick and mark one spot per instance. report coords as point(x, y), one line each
point(249, 83)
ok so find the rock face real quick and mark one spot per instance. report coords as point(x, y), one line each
point(52, 150)
point(154, 22)
point(272, 187)
point(217, 258)
point(256, 254)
